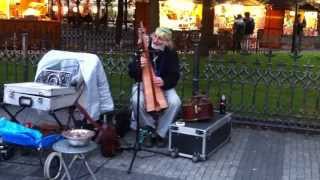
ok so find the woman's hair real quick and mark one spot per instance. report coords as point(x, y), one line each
point(166, 34)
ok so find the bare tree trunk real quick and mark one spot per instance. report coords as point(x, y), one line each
point(68, 5)
point(59, 10)
point(154, 15)
point(78, 16)
point(125, 18)
point(98, 14)
point(206, 27)
point(105, 16)
point(119, 22)
point(78, 6)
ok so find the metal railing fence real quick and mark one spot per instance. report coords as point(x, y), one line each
point(258, 93)
point(282, 94)
point(74, 38)
point(88, 38)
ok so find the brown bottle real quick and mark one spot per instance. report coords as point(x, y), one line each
point(109, 140)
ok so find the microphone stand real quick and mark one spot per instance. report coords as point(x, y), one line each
point(137, 145)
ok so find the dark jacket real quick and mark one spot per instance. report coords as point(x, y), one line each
point(300, 26)
point(249, 25)
point(166, 66)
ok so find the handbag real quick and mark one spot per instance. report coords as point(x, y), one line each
point(198, 108)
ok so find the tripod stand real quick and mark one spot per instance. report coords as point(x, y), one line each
point(137, 145)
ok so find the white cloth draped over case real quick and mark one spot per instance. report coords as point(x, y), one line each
point(96, 96)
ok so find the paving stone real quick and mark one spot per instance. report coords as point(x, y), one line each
point(5, 176)
point(250, 155)
point(188, 167)
point(262, 148)
point(32, 178)
point(301, 157)
point(16, 169)
point(112, 174)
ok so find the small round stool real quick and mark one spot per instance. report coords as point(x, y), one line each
point(62, 147)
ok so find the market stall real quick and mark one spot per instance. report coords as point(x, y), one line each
point(31, 17)
point(273, 20)
point(225, 14)
point(187, 17)
point(19, 9)
point(311, 17)
point(180, 17)
point(183, 17)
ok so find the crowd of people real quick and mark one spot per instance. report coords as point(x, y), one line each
point(243, 28)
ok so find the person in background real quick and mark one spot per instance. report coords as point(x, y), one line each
point(238, 32)
point(165, 62)
point(300, 25)
point(249, 29)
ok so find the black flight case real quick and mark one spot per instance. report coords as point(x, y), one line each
point(198, 140)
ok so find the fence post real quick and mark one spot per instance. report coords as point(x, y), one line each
point(269, 55)
point(195, 37)
point(24, 56)
point(295, 56)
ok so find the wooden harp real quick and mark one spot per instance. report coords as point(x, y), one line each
point(153, 95)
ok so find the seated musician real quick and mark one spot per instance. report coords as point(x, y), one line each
point(165, 62)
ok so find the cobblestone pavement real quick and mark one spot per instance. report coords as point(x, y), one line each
point(252, 154)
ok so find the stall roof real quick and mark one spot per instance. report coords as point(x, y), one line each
point(303, 4)
point(310, 7)
point(288, 4)
point(244, 2)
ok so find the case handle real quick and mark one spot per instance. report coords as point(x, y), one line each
point(25, 101)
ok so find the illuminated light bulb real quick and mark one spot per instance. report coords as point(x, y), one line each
point(237, 8)
point(65, 10)
point(94, 9)
point(176, 4)
point(74, 9)
point(31, 11)
point(291, 13)
point(55, 8)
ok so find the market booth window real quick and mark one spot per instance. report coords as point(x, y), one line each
point(187, 14)
point(4, 9)
point(15, 9)
point(28, 17)
point(180, 14)
point(226, 13)
point(311, 18)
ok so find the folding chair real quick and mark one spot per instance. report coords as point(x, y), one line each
point(83, 72)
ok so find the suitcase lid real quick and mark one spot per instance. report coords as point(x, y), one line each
point(217, 120)
point(35, 88)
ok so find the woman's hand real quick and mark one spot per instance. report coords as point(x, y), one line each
point(157, 81)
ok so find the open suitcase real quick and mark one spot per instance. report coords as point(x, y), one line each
point(198, 140)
